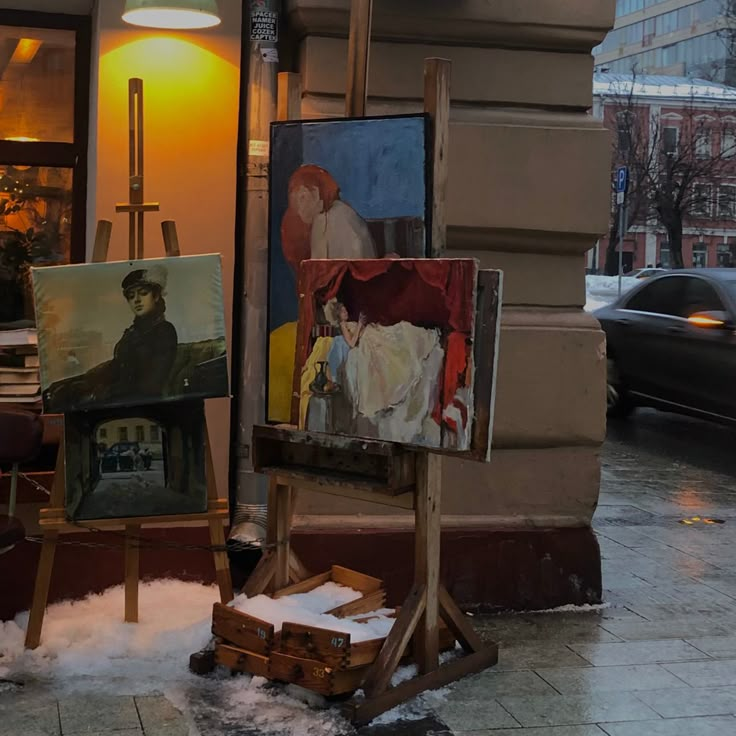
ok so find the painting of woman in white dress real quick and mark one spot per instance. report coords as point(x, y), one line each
point(387, 350)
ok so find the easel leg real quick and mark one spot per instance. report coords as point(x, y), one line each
point(427, 557)
point(132, 568)
point(41, 589)
point(217, 530)
point(222, 564)
point(283, 531)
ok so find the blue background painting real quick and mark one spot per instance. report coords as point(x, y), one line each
point(378, 163)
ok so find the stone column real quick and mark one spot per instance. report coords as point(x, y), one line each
point(528, 193)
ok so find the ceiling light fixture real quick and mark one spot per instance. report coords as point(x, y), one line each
point(172, 14)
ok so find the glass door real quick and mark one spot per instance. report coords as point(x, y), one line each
point(44, 121)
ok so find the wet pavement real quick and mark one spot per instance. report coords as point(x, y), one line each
point(659, 659)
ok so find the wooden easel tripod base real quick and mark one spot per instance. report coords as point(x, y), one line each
point(426, 602)
point(53, 520)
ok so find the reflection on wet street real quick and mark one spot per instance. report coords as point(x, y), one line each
point(660, 658)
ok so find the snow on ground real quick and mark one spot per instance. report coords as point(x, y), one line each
point(87, 647)
point(602, 290)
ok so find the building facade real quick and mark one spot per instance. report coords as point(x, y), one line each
point(668, 105)
point(526, 515)
point(673, 37)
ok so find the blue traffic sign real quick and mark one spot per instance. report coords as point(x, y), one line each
point(622, 178)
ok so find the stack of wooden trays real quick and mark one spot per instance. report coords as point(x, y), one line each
point(323, 660)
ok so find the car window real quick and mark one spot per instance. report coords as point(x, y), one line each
point(699, 296)
point(663, 296)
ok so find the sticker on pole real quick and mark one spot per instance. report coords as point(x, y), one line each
point(264, 26)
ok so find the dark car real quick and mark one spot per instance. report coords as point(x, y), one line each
point(671, 344)
point(119, 457)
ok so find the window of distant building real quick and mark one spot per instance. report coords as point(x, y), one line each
point(140, 434)
point(727, 202)
point(700, 254)
point(703, 143)
point(154, 433)
point(702, 200)
point(670, 139)
point(122, 434)
point(624, 121)
point(724, 257)
point(728, 141)
point(664, 254)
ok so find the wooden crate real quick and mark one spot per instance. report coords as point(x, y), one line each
point(373, 598)
point(335, 649)
point(255, 635)
point(241, 660)
point(242, 630)
point(315, 675)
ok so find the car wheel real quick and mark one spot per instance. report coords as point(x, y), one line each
point(618, 401)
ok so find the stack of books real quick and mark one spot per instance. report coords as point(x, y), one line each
point(19, 378)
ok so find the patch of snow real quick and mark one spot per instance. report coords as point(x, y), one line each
point(88, 638)
point(86, 646)
point(603, 290)
point(572, 608)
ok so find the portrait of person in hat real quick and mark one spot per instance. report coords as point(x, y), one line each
point(143, 356)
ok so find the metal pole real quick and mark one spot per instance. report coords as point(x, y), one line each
point(251, 488)
point(621, 225)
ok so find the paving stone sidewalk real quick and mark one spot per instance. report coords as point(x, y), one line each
point(660, 660)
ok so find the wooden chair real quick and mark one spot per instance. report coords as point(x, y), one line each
point(20, 441)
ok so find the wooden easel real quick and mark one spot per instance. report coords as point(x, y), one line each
point(52, 520)
point(415, 481)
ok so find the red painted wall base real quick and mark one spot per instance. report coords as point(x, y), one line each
point(482, 569)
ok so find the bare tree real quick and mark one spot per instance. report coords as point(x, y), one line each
point(675, 165)
point(629, 149)
point(687, 162)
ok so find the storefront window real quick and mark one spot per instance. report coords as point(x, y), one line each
point(35, 229)
point(37, 84)
point(44, 112)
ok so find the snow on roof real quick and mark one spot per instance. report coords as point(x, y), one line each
point(653, 85)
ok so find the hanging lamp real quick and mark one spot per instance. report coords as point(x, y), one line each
point(172, 14)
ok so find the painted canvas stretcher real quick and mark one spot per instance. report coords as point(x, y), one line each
point(391, 349)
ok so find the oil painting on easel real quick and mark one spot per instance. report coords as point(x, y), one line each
point(385, 350)
point(142, 461)
point(355, 188)
point(130, 333)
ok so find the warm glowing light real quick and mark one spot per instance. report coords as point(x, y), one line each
point(22, 139)
point(25, 51)
point(701, 321)
point(172, 14)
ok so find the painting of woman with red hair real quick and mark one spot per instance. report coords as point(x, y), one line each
point(338, 188)
point(318, 224)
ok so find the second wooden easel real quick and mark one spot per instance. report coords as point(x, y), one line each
point(52, 520)
point(415, 481)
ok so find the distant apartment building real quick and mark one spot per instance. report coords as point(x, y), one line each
point(709, 232)
point(672, 37)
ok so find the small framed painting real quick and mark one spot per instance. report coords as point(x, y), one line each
point(130, 333)
point(140, 461)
